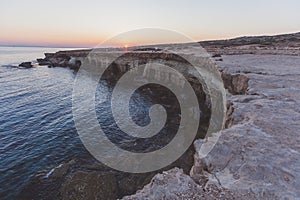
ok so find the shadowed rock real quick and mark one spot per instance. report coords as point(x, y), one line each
point(235, 84)
point(25, 64)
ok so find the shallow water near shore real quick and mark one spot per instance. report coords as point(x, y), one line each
point(36, 126)
point(37, 130)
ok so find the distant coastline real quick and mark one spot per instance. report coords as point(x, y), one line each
point(203, 42)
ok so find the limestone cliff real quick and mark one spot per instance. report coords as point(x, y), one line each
point(257, 155)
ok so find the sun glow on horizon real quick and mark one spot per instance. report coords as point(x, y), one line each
point(92, 23)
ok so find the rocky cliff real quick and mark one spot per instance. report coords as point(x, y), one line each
point(257, 156)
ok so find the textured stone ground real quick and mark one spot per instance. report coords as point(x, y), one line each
point(258, 156)
point(174, 184)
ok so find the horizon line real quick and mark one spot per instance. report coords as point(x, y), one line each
point(91, 46)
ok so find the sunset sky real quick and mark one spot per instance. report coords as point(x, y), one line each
point(88, 23)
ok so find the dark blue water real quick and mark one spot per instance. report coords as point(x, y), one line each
point(36, 126)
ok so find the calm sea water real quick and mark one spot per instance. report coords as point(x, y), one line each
point(37, 130)
point(36, 126)
point(16, 55)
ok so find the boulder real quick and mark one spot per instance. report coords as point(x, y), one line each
point(25, 64)
point(43, 61)
point(235, 83)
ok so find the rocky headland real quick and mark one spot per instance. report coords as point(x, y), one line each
point(256, 157)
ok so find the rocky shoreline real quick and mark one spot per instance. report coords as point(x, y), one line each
point(257, 155)
point(74, 179)
point(286, 44)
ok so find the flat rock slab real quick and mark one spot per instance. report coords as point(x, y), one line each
point(261, 151)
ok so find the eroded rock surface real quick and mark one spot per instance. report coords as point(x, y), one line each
point(236, 83)
point(260, 152)
point(174, 184)
point(258, 156)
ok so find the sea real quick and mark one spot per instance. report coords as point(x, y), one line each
point(36, 127)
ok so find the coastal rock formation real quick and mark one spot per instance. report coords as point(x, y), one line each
point(25, 64)
point(174, 184)
point(89, 179)
point(235, 83)
point(71, 59)
point(260, 152)
point(256, 157)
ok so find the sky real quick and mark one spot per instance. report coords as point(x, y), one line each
point(90, 22)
